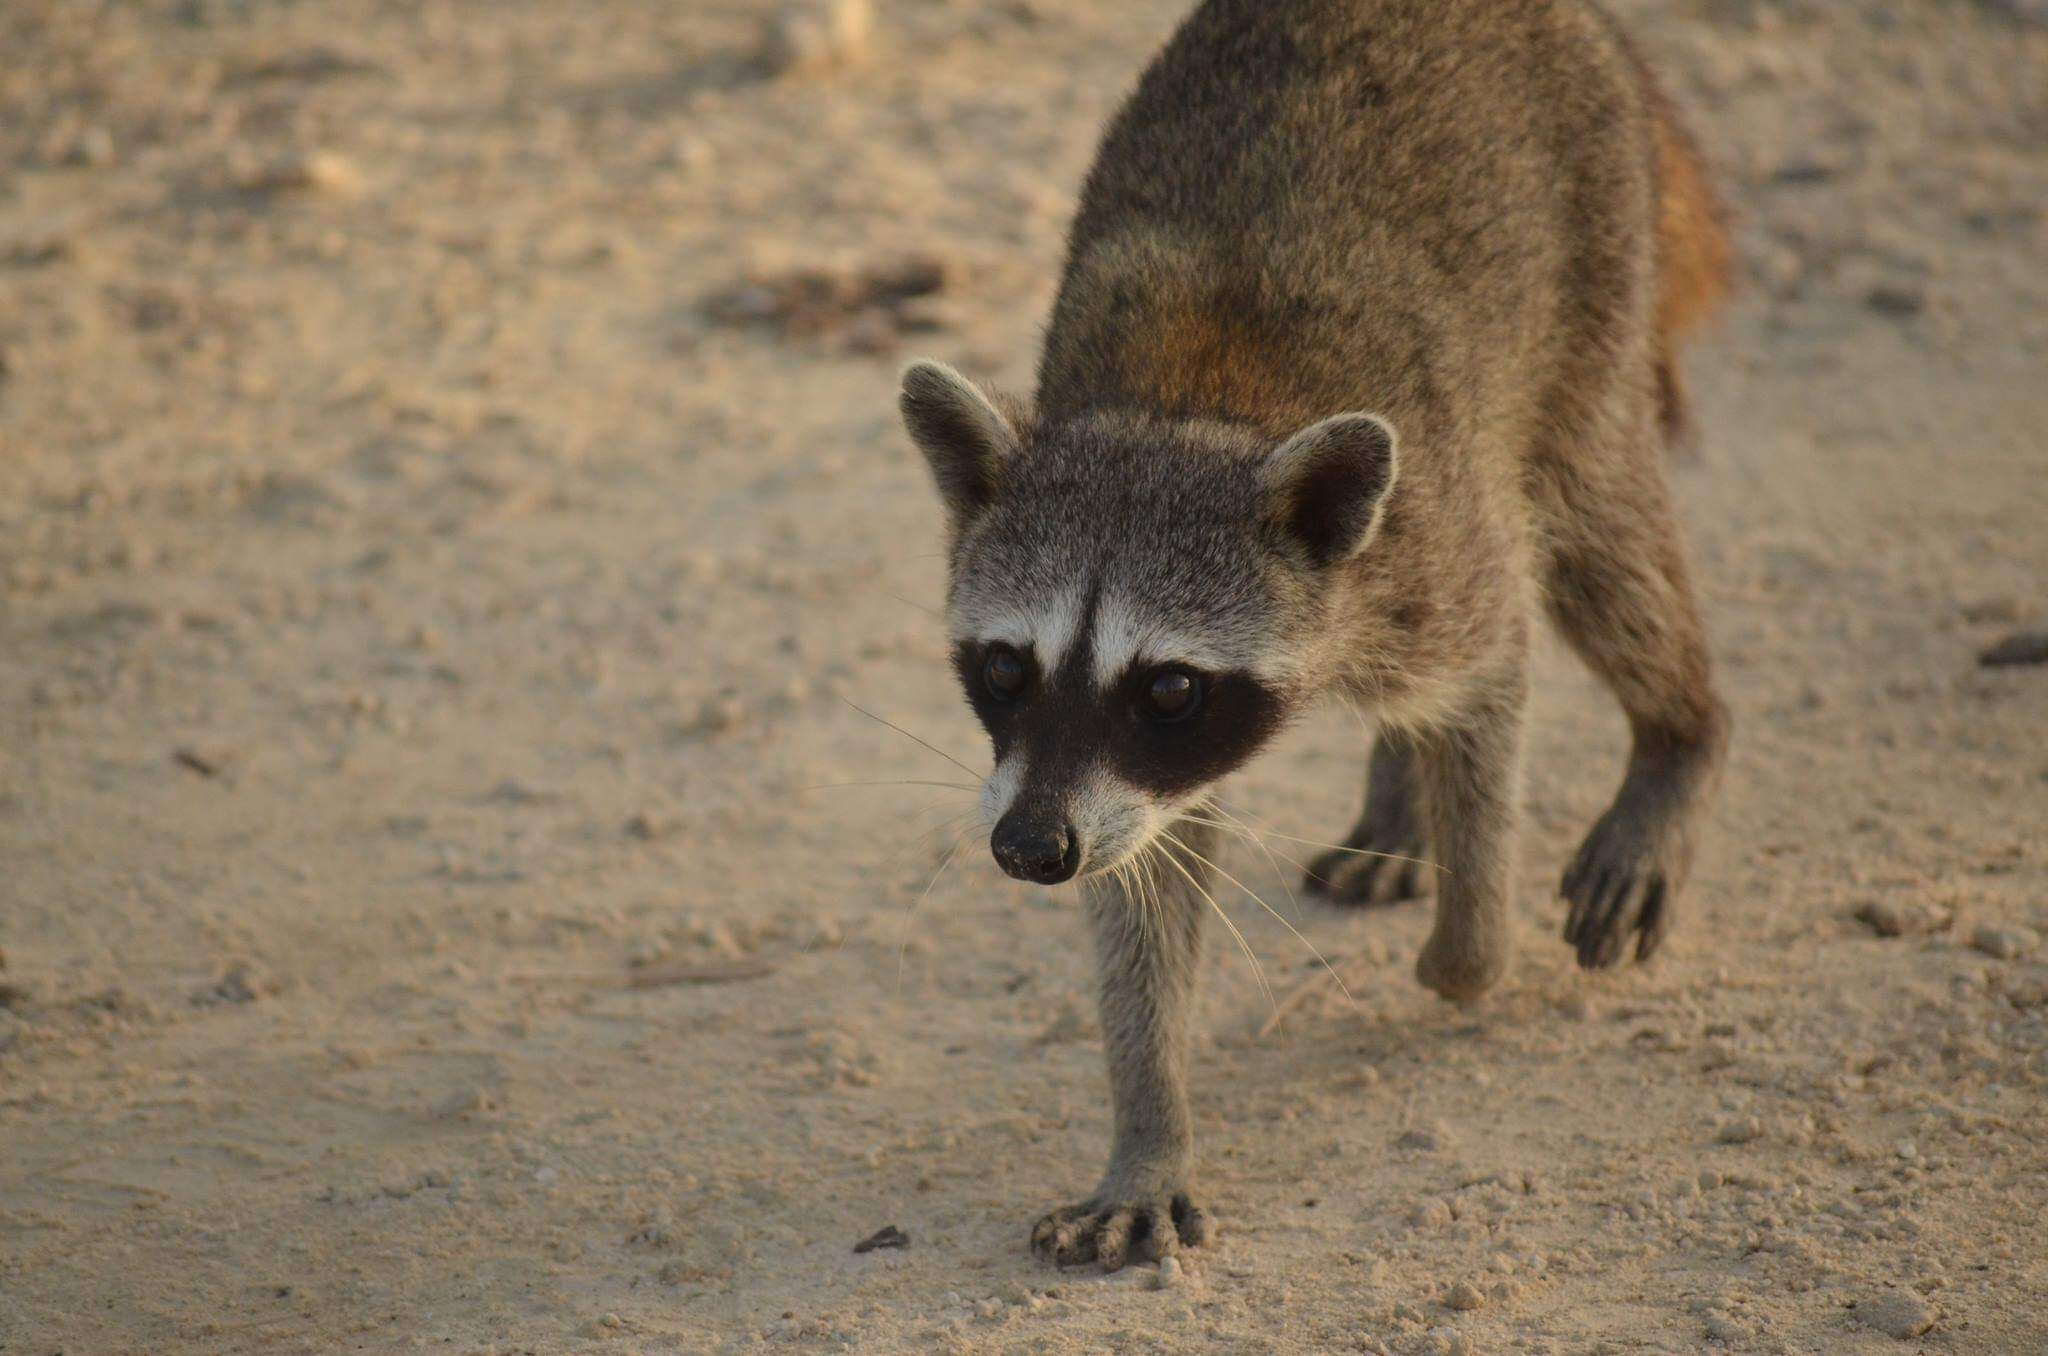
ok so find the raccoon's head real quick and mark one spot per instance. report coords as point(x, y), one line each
point(1135, 606)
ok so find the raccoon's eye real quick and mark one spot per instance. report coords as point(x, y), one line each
point(1173, 694)
point(1004, 673)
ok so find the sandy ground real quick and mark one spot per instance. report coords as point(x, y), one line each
point(437, 550)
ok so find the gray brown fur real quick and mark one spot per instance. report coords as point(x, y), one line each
point(1480, 221)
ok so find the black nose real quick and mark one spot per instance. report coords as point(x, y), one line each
point(1036, 848)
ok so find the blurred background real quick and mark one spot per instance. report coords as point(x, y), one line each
point(450, 502)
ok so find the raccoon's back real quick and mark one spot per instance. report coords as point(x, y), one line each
point(1315, 205)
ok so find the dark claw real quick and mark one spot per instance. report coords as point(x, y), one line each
point(1655, 921)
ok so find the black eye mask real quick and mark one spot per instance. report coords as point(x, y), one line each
point(1063, 723)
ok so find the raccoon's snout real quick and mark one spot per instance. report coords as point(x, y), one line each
point(1036, 847)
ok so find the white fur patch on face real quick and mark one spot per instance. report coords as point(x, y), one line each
point(999, 792)
point(1047, 630)
point(1112, 818)
point(1124, 636)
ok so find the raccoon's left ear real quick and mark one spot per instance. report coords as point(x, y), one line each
point(962, 434)
point(1329, 483)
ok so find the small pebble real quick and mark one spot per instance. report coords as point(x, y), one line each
point(313, 172)
point(814, 35)
point(2005, 943)
point(1433, 1135)
point(1170, 1274)
point(1464, 1297)
point(1898, 1313)
point(2021, 647)
point(649, 825)
point(1743, 1131)
point(888, 1236)
point(1896, 300)
point(94, 147)
point(461, 1102)
point(1888, 919)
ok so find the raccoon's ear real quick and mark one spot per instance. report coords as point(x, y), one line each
point(1329, 483)
point(962, 434)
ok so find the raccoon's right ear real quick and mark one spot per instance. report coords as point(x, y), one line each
point(962, 434)
point(1329, 483)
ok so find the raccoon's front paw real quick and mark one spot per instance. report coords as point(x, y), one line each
point(1622, 886)
point(1114, 1231)
point(1461, 966)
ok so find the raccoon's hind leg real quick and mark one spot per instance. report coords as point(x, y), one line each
point(1384, 856)
point(1619, 591)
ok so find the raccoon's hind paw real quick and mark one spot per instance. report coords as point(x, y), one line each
point(1384, 859)
point(1112, 1233)
point(1369, 875)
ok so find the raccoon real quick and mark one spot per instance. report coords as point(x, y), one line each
point(1365, 352)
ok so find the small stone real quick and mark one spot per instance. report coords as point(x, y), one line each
point(239, 985)
point(2005, 943)
point(1433, 1135)
point(2027, 991)
point(1170, 1274)
point(1464, 1297)
point(2021, 647)
point(814, 35)
point(1898, 1313)
point(1576, 1007)
point(718, 715)
point(691, 154)
point(93, 147)
point(649, 825)
point(311, 172)
point(207, 762)
point(1744, 1130)
point(888, 1236)
point(459, 1103)
point(1895, 300)
point(1888, 919)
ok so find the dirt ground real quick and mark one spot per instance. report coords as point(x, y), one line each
point(450, 495)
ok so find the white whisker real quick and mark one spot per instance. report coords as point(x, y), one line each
point(1276, 914)
point(926, 743)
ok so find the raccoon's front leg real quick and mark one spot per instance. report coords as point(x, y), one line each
point(1148, 941)
point(1471, 773)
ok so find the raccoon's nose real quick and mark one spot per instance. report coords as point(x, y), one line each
point(1036, 848)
